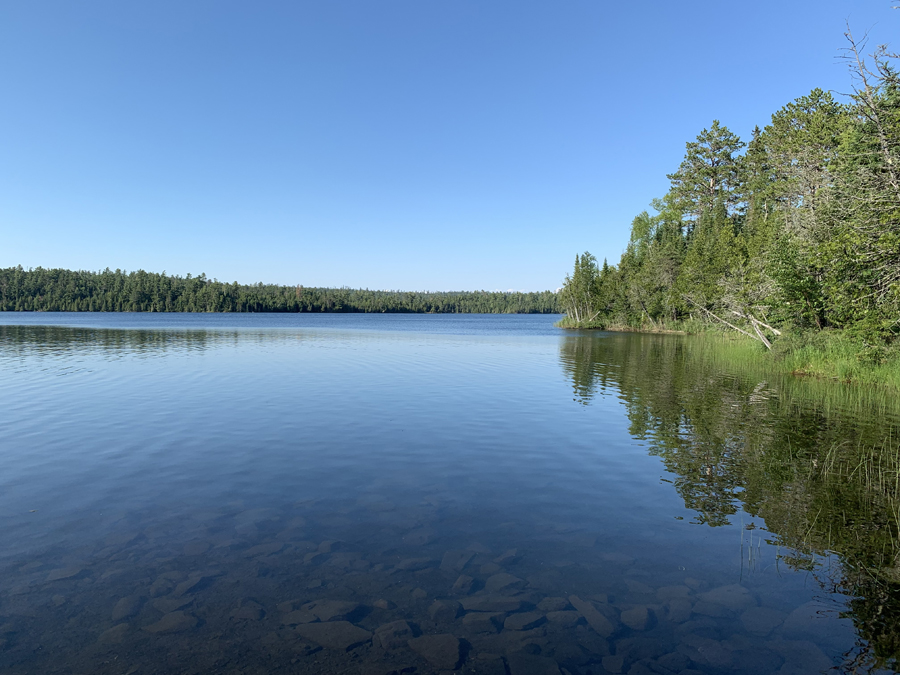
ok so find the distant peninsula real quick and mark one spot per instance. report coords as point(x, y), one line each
point(62, 290)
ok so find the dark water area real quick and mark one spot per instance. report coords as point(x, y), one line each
point(424, 494)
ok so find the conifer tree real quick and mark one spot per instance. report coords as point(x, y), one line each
point(711, 172)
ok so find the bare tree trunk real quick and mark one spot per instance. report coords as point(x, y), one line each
point(753, 319)
point(759, 336)
point(644, 307)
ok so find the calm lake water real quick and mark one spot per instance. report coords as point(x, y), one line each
point(416, 494)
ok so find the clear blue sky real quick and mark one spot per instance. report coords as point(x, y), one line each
point(439, 144)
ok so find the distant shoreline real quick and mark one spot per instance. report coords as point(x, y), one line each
point(62, 290)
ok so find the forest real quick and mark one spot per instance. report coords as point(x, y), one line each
point(60, 290)
point(788, 237)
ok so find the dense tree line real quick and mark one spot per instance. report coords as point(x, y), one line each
point(798, 228)
point(60, 290)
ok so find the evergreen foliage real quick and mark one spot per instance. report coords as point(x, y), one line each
point(798, 229)
point(59, 290)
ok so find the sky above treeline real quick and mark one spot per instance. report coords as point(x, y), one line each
point(441, 145)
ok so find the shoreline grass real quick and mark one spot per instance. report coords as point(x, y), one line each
point(823, 355)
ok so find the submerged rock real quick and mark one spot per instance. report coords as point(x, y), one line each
point(114, 636)
point(800, 657)
point(194, 548)
point(483, 622)
point(614, 664)
point(121, 539)
point(674, 661)
point(338, 635)
point(679, 610)
point(503, 582)
point(491, 603)
point(489, 664)
point(733, 597)
point(191, 584)
point(566, 651)
point(523, 621)
point(299, 616)
point(762, 620)
point(818, 621)
point(160, 587)
point(706, 652)
point(441, 651)
point(529, 664)
point(508, 557)
point(601, 625)
point(248, 611)
point(553, 604)
point(456, 560)
point(174, 622)
point(463, 585)
point(637, 618)
point(414, 564)
point(564, 618)
point(673, 592)
point(333, 610)
point(288, 606)
point(127, 607)
point(393, 635)
point(65, 573)
point(167, 605)
point(263, 549)
point(641, 648)
point(638, 587)
point(421, 537)
point(712, 609)
point(444, 610)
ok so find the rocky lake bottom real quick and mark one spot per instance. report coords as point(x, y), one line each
point(262, 591)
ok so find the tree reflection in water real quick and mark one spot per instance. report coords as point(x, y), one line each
point(819, 462)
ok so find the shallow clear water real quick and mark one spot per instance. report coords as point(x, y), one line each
point(280, 493)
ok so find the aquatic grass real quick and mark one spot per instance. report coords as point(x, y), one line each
point(832, 377)
point(569, 322)
point(857, 486)
point(826, 355)
point(834, 355)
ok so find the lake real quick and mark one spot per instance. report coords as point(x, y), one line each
point(422, 494)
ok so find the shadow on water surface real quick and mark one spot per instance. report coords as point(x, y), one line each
point(249, 502)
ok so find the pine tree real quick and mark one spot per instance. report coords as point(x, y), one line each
point(711, 172)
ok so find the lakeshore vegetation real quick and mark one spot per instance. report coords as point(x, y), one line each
point(60, 290)
point(791, 239)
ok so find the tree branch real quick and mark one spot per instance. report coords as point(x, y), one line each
point(730, 325)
